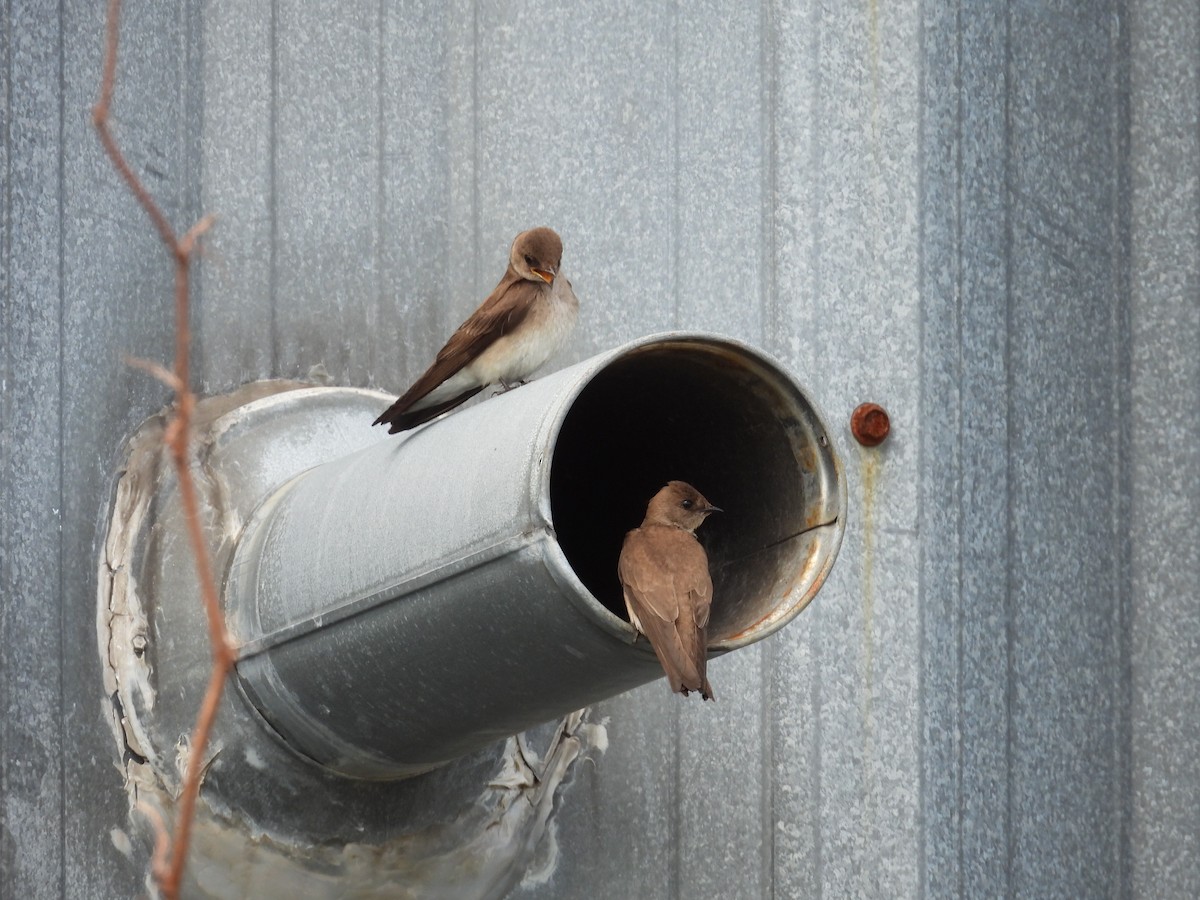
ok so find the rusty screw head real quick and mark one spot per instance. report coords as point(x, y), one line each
point(870, 425)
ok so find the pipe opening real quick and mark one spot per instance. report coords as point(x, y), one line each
point(713, 415)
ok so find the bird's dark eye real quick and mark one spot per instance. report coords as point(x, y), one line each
point(530, 261)
point(687, 504)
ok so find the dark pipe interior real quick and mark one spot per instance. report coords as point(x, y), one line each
point(700, 414)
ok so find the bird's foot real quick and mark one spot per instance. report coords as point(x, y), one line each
point(506, 386)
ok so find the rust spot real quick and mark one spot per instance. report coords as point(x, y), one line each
point(870, 425)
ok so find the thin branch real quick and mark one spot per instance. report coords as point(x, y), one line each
point(169, 857)
point(100, 120)
point(154, 370)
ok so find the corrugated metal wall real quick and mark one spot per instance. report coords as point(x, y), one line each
point(984, 216)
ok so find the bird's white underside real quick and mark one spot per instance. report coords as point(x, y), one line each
point(516, 356)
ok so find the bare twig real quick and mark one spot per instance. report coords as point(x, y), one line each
point(168, 869)
point(153, 369)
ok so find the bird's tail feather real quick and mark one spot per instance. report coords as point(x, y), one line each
point(400, 419)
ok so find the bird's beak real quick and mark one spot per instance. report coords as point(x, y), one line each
point(547, 275)
point(712, 509)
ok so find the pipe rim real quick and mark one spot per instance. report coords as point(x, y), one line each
point(784, 610)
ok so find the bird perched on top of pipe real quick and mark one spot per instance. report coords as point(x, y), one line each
point(668, 591)
point(514, 331)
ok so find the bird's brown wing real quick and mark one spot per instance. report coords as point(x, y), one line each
point(664, 574)
point(504, 309)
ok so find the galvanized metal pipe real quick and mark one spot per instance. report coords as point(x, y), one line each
point(427, 595)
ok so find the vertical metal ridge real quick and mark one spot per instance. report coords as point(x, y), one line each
point(769, 327)
point(818, 233)
point(6, 302)
point(676, 227)
point(6, 372)
point(187, 188)
point(922, 451)
point(959, 349)
point(769, 310)
point(675, 819)
point(476, 152)
point(1010, 443)
point(1122, 738)
point(766, 704)
point(273, 189)
point(63, 648)
point(380, 185)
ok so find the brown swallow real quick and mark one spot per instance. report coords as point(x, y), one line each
point(515, 330)
point(668, 591)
